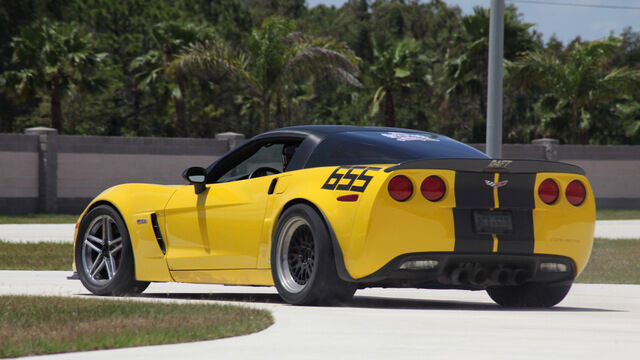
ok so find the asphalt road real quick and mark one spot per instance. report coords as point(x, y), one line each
point(593, 322)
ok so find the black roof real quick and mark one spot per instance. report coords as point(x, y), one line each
point(327, 145)
point(324, 130)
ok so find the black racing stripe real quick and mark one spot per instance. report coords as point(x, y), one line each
point(466, 239)
point(521, 240)
point(518, 192)
point(472, 191)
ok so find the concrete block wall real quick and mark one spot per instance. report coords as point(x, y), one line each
point(18, 174)
point(614, 172)
point(44, 172)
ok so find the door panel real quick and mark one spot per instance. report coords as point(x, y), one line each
point(219, 228)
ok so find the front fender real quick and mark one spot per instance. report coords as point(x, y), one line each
point(136, 203)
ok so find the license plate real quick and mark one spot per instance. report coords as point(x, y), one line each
point(492, 222)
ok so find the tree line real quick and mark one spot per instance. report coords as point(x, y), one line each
point(194, 68)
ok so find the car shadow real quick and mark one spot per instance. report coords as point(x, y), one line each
point(370, 302)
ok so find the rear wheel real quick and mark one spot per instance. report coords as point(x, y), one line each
point(528, 295)
point(104, 258)
point(302, 261)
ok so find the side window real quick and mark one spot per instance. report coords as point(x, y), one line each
point(269, 159)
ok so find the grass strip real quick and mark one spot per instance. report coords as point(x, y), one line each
point(31, 325)
point(36, 256)
point(610, 214)
point(613, 262)
point(39, 219)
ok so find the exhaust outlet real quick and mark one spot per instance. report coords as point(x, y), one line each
point(478, 276)
point(518, 277)
point(500, 276)
point(459, 276)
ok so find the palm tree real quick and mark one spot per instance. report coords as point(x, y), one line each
point(395, 68)
point(467, 72)
point(170, 38)
point(275, 59)
point(52, 59)
point(576, 86)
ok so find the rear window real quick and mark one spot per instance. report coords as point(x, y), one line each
point(387, 147)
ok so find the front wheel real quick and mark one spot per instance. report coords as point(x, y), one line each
point(529, 295)
point(302, 261)
point(104, 258)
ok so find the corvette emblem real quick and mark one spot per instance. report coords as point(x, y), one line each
point(497, 185)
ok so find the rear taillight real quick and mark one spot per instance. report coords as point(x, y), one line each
point(548, 191)
point(575, 193)
point(433, 188)
point(400, 188)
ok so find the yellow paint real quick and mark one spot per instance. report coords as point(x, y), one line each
point(224, 235)
point(561, 228)
point(218, 228)
point(134, 201)
point(385, 228)
point(495, 243)
point(228, 277)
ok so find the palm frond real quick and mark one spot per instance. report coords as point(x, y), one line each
point(315, 60)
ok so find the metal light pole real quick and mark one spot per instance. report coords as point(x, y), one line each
point(494, 91)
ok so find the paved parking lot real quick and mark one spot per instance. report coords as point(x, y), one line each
point(593, 322)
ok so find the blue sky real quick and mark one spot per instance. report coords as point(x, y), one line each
point(566, 22)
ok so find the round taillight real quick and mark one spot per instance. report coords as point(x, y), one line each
point(548, 191)
point(575, 193)
point(433, 188)
point(400, 188)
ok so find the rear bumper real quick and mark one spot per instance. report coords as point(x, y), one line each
point(470, 271)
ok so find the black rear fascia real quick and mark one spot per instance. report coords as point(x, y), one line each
point(392, 276)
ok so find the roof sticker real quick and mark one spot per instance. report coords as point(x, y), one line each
point(402, 136)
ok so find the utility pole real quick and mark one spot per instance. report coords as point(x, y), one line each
point(494, 91)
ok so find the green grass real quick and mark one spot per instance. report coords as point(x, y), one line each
point(609, 214)
point(35, 256)
point(31, 325)
point(39, 219)
point(613, 262)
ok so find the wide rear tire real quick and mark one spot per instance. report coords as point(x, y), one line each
point(529, 295)
point(104, 258)
point(302, 260)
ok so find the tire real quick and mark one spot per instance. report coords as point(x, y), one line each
point(528, 295)
point(106, 267)
point(302, 260)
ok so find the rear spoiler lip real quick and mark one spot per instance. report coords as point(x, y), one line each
point(490, 165)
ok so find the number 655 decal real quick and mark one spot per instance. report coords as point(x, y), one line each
point(353, 174)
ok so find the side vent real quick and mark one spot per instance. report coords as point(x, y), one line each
point(156, 230)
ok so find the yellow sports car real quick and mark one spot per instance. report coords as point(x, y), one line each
point(320, 211)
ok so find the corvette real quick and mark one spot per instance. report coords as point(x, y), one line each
point(321, 211)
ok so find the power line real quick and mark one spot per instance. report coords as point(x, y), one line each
point(618, 7)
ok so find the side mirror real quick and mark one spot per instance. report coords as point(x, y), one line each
point(196, 176)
